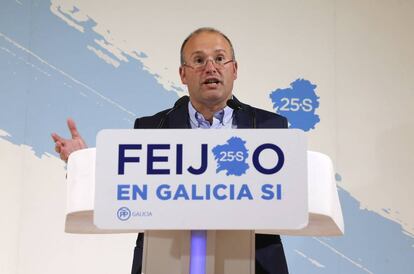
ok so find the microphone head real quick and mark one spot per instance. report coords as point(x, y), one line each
point(177, 104)
point(184, 99)
point(235, 105)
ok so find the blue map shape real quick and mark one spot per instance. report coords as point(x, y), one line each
point(232, 157)
point(298, 104)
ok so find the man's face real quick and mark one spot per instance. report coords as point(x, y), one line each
point(212, 84)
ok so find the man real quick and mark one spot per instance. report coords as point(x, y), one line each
point(208, 68)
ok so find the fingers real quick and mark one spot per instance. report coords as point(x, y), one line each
point(58, 147)
point(66, 146)
point(59, 142)
point(63, 151)
point(56, 138)
point(72, 128)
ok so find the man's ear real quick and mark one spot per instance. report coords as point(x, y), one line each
point(182, 75)
point(235, 67)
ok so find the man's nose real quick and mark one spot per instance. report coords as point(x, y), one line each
point(210, 66)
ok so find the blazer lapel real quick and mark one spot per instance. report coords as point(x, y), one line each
point(243, 116)
point(243, 119)
point(179, 118)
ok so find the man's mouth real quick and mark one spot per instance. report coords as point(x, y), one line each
point(212, 82)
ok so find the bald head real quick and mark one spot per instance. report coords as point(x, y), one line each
point(202, 30)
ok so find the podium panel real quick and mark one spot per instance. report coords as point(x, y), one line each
point(228, 251)
point(325, 214)
point(306, 183)
point(196, 179)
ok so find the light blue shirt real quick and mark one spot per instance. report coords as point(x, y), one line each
point(221, 119)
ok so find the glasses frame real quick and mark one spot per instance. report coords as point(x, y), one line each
point(202, 67)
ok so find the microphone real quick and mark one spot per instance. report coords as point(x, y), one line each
point(236, 105)
point(177, 104)
point(233, 104)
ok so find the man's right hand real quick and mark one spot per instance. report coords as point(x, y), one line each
point(66, 146)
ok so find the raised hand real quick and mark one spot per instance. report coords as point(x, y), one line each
point(66, 146)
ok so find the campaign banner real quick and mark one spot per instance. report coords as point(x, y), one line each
point(201, 179)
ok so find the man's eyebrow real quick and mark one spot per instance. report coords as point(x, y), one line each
point(197, 52)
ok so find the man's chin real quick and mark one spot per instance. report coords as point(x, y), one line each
point(214, 97)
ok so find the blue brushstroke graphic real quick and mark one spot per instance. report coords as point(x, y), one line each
point(371, 241)
point(68, 81)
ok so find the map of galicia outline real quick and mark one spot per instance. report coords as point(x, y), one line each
point(231, 157)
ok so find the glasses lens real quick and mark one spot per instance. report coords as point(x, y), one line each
point(199, 62)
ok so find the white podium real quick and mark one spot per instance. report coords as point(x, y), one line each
point(228, 251)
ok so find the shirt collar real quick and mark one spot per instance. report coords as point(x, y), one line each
point(222, 118)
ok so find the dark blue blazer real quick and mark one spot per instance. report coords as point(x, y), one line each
point(270, 257)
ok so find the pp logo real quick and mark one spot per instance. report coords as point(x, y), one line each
point(123, 213)
point(298, 104)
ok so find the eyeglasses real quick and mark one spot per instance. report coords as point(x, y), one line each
point(200, 62)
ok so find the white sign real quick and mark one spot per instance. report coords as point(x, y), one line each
point(201, 179)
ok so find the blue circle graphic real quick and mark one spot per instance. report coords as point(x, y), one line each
point(123, 213)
